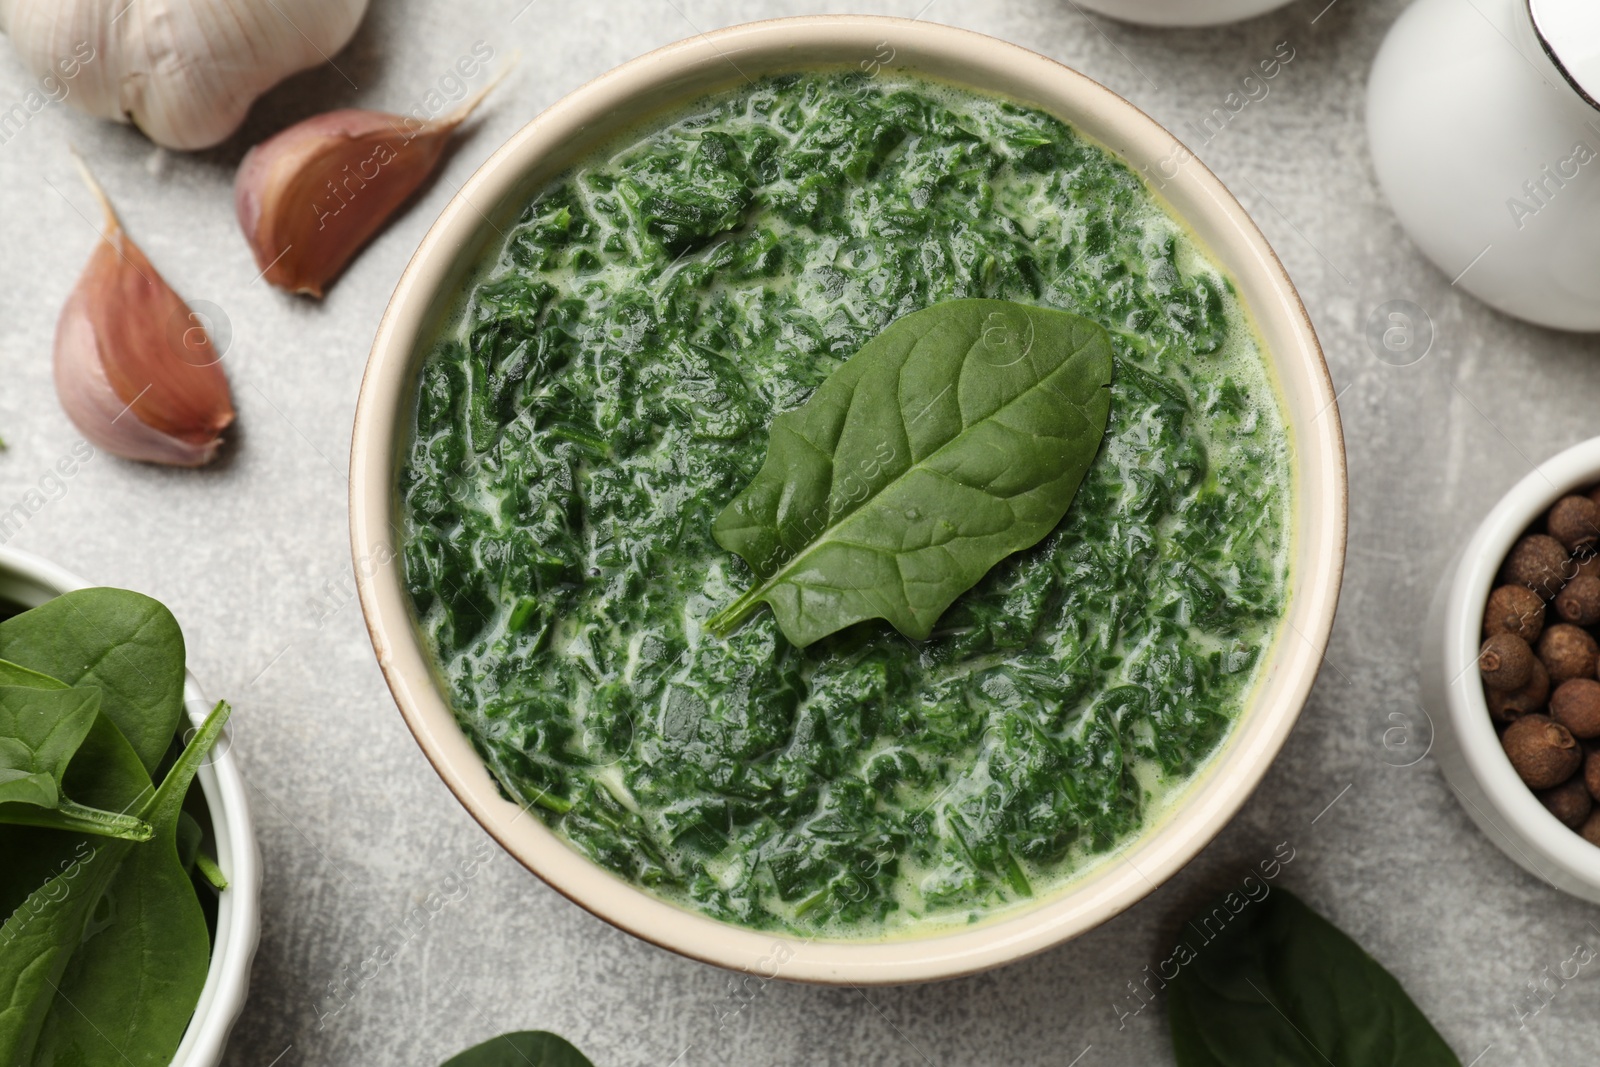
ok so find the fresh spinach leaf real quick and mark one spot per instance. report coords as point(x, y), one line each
point(952, 439)
point(207, 868)
point(16, 674)
point(126, 644)
point(1282, 985)
point(41, 730)
point(38, 940)
point(189, 837)
point(191, 853)
point(128, 992)
point(527, 1048)
point(105, 773)
point(42, 932)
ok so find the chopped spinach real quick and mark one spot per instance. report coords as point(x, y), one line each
point(609, 388)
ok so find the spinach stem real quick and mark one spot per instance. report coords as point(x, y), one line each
point(74, 816)
point(210, 871)
point(730, 618)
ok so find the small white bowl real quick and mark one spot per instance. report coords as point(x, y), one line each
point(28, 581)
point(1467, 744)
point(1182, 12)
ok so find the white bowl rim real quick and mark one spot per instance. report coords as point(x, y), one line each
point(1540, 839)
point(1184, 13)
point(1265, 288)
point(238, 906)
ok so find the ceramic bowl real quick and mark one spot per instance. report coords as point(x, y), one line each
point(1182, 12)
point(1465, 740)
point(28, 581)
point(648, 87)
point(1485, 148)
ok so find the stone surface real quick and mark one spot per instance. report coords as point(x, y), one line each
point(355, 827)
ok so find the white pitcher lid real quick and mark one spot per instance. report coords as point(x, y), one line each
point(1569, 30)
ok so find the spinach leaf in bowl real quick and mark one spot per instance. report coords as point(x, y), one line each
point(106, 940)
point(131, 987)
point(106, 773)
point(123, 643)
point(135, 983)
point(41, 730)
point(952, 439)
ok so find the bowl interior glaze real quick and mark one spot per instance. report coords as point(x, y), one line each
point(666, 79)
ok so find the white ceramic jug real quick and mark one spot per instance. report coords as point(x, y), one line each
point(1485, 136)
point(1181, 12)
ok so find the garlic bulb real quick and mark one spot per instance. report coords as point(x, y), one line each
point(310, 197)
point(184, 71)
point(134, 367)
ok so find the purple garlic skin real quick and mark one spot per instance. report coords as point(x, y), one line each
point(135, 369)
point(312, 196)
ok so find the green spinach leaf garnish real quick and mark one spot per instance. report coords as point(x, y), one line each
point(954, 438)
point(526, 1048)
point(1282, 985)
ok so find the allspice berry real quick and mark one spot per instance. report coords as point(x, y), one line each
point(1591, 828)
point(1514, 609)
point(1570, 802)
point(1568, 652)
point(1579, 600)
point(1591, 774)
point(1586, 562)
point(1539, 562)
point(1576, 705)
point(1506, 662)
point(1506, 706)
point(1575, 522)
point(1541, 751)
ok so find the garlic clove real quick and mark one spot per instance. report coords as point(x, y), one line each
point(310, 197)
point(184, 71)
point(135, 369)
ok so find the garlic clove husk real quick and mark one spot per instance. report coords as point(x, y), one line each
point(135, 369)
point(184, 71)
point(310, 197)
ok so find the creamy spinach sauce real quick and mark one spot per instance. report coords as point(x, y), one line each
point(606, 390)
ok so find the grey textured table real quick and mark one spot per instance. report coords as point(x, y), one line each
point(355, 827)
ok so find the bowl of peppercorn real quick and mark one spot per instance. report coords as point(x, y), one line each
point(1511, 672)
